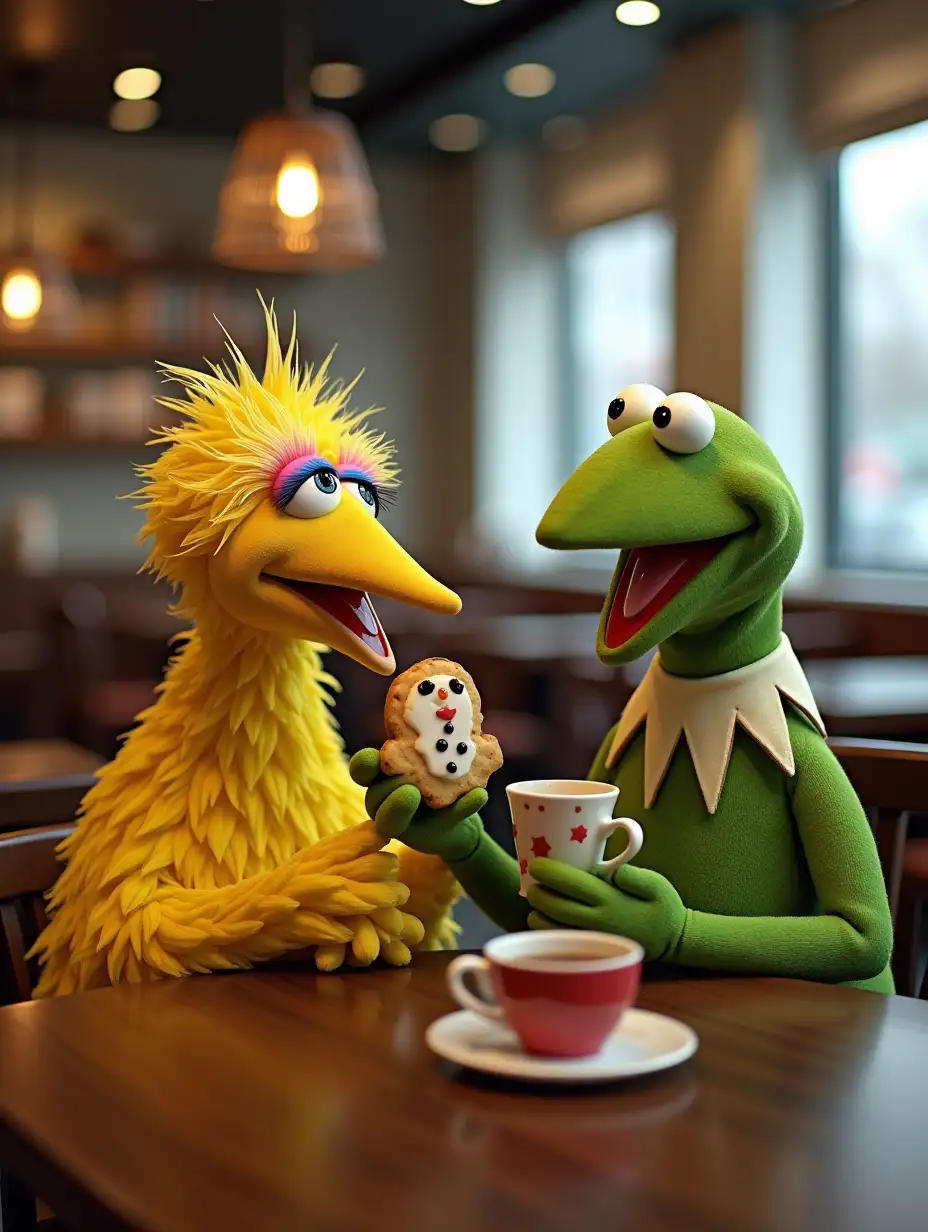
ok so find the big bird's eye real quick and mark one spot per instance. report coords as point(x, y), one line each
point(317, 495)
point(683, 423)
point(634, 405)
point(364, 492)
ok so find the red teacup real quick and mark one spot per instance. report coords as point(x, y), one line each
point(563, 991)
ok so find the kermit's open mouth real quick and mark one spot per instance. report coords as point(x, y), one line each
point(649, 579)
point(350, 608)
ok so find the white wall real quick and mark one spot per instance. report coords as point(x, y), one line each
point(380, 317)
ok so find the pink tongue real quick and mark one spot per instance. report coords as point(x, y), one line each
point(651, 571)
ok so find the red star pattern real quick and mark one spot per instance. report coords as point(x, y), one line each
point(578, 833)
point(540, 846)
point(523, 866)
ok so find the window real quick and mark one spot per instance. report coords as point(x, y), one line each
point(620, 305)
point(881, 370)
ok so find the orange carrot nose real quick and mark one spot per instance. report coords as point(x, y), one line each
point(442, 693)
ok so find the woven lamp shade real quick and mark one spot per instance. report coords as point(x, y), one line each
point(298, 195)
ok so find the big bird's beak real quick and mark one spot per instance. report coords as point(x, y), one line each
point(310, 578)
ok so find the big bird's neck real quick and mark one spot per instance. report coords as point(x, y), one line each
point(248, 719)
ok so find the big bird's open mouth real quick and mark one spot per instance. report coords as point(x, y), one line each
point(350, 608)
point(650, 578)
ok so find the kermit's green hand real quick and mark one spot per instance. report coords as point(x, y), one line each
point(638, 903)
point(396, 807)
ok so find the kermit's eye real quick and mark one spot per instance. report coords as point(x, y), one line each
point(683, 423)
point(634, 405)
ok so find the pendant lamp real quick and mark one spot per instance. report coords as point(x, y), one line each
point(298, 194)
point(36, 289)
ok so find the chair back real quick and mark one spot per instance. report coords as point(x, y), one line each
point(891, 781)
point(28, 868)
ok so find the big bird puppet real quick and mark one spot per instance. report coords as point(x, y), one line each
point(227, 830)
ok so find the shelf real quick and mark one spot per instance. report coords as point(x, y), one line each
point(168, 350)
point(180, 265)
point(53, 443)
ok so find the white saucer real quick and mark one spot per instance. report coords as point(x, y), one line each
point(642, 1043)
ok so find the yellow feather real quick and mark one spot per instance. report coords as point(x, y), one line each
point(225, 830)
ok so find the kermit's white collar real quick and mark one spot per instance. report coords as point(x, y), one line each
point(706, 710)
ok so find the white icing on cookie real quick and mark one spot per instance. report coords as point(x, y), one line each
point(421, 713)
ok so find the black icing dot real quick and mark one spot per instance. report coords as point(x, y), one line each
point(449, 729)
point(441, 745)
point(426, 687)
point(616, 407)
point(452, 767)
point(455, 686)
point(661, 417)
point(462, 747)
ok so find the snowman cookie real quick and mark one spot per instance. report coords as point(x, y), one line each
point(434, 724)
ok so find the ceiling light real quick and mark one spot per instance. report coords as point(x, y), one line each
point(564, 132)
point(21, 296)
point(457, 134)
point(481, 2)
point(529, 80)
point(136, 83)
point(134, 115)
point(336, 80)
point(638, 13)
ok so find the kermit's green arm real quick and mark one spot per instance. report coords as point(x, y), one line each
point(851, 936)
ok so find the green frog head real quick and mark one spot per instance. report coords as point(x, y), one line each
point(707, 525)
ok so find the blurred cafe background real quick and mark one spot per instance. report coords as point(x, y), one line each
point(541, 201)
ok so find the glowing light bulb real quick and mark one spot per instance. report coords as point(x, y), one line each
point(21, 295)
point(638, 13)
point(298, 189)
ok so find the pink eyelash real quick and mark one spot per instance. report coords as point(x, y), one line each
point(291, 462)
point(352, 461)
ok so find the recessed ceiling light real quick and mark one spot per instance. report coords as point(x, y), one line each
point(529, 80)
point(457, 133)
point(481, 2)
point(134, 114)
point(137, 83)
point(638, 13)
point(336, 79)
point(564, 132)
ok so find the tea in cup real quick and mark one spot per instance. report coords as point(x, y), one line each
point(563, 991)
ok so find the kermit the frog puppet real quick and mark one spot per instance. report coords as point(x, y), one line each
point(757, 855)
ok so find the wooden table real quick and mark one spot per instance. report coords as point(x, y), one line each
point(42, 781)
point(290, 1101)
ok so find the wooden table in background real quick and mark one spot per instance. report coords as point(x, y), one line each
point(290, 1101)
point(42, 781)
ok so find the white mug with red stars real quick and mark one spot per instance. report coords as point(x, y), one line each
point(568, 820)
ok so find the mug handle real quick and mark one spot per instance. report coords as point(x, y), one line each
point(458, 971)
point(635, 839)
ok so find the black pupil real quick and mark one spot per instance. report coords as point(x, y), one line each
point(427, 687)
point(661, 417)
point(616, 407)
point(455, 686)
point(462, 747)
point(325, 481)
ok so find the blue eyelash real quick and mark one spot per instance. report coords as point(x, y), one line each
point(292, 483)
point(383, 497)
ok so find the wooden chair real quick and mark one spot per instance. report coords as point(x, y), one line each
point(891, 780)
point(28, 868)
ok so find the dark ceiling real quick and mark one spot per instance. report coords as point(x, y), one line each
point(222, 60)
